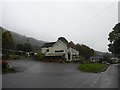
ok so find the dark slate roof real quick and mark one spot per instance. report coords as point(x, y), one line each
point(63, 40)
point(50, 44)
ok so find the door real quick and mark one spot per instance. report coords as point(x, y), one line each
point(68, 56)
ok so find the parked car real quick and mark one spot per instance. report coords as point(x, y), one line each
point(105, 62)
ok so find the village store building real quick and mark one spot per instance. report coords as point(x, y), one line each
point(60, 49)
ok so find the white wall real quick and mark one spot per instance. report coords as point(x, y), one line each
point(59, 45)
point(44, 50)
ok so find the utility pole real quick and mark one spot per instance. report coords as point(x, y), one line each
point(118, 17)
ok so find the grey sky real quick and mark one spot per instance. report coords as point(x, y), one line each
point(82, 22)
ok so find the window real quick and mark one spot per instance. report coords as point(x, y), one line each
point(47, 50)
point(59, 50)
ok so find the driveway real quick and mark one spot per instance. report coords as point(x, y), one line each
point(35, 74)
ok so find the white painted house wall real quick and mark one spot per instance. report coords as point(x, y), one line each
point(43, 50)
point(59, 45)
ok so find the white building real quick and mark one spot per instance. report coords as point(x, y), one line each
point(60, 49)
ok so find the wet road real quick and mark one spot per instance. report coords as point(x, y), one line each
point(34, 74)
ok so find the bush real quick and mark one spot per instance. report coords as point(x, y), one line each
point(4, 64)
point(6, 68)
point(83, 60)
point(13, 57)
point(40, 56)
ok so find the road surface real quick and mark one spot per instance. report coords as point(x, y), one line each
point(35, 74)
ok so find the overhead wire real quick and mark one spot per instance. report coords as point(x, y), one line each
point(107, 7)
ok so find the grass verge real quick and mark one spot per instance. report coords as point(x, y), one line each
point(8, 70)
point(93, 67)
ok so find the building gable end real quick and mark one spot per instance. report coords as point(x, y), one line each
point(58, 42)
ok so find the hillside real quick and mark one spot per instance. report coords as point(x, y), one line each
point(101, 53)
point(21, 39)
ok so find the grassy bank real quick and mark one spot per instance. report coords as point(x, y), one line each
point(93, 67)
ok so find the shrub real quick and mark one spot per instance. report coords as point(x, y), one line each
point(13, 57)
point(8, 70)
point(40, 56)
point(83, 60)
point(4, 64)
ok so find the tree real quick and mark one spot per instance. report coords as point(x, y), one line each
point(20, 47)
point(114, 38)
point(85, 51)
point(107, 57)
point(7, 40)
point(27, 47)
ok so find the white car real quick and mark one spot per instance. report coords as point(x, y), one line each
point(105, 62)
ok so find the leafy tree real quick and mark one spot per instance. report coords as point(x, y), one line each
point(114, 38)
point(85, 51)
point(107, 57)
point(7, 40)
point(27, 47)
point(20, 47)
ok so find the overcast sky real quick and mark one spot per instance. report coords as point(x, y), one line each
point(82, 22)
